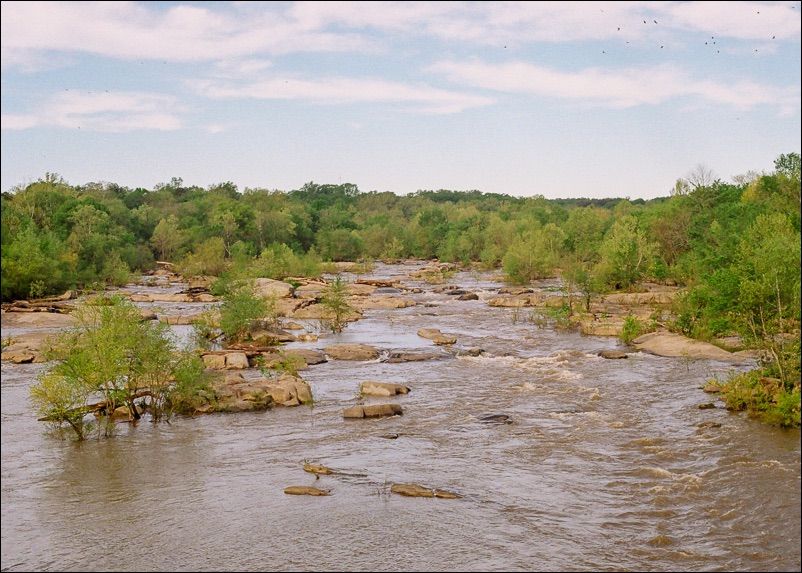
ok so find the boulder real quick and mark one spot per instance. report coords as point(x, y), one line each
point(18, 356)
point(200, 283)
point(292, 326)
point(147, 314)
point(351, 352)
point(236, 361)
point(613, 354)
point(373, 411)
point(371, 388)
point(403, 356)
point(676, 345)
point(309, 355)
point(468, 296)
point(436, 336)
point(415, 490)
point(234, 393)
point(214, 361)
point(318, 469)
point(269, 288)
point(305, 490)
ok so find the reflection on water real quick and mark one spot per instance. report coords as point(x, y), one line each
point(603, 467)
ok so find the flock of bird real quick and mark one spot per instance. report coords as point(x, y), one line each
point(711, 42)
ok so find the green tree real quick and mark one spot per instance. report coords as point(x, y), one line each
point(335, 300)
point(167, 237)
point(112, 352)
point(625, 253)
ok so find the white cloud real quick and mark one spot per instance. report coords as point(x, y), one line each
point(181, 33)
point(196, 33)
point(339, 90)
point(108, 112)
point(516, 22)
point(616, 88)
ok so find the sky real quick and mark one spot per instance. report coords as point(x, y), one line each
point(560, 99)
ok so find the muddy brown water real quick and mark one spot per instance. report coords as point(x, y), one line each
point(604, 467)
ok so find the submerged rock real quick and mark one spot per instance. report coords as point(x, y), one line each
point(306, 490)
point(495, 419)
point(402, 356)
point(318, 469)
point(371, 388)
point(436, 336)
point(613, 354)
point(373, 411)
point(415, 490)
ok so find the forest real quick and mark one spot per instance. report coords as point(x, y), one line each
point(733, 246)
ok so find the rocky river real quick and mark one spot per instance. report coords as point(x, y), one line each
point(564, 460)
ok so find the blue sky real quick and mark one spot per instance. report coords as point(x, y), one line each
point(562, 99)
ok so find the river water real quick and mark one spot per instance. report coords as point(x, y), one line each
point(604, 468)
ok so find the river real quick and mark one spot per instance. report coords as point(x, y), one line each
point(606, 466)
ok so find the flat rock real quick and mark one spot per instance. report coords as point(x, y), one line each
point(397, 357)
point(468, 296)
point(305, 490)
point(675, 345)
point(415, 490)
point(52, 320)
point(515, 301)
point(382, 302)
point(351, 352)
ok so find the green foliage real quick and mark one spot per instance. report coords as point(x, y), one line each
point(764, 397)
point(286, 364)
point(535, 256)
point(633, 328)
point(111, 352)
point(335, 300)
point(192, 388)
point(207, 259)
point(625, 254)
point(240, 309)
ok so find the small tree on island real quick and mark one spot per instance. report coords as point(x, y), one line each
point(335, 300)
point(116, 358)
